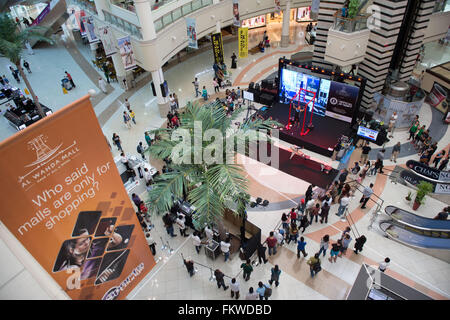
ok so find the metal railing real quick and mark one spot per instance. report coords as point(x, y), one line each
point(180, 12)
point(350, 25)
point(85, 4)
point(126, 5)
point(122, 24)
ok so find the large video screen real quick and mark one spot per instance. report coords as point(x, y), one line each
point(333, 99)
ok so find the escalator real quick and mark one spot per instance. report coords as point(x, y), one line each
point(426, 235)
point(51, 18)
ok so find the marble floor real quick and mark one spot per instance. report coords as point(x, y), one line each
point(169, 278)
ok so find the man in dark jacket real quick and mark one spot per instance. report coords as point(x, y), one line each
point(219, 278)
point(262, 253)
point(359, 243)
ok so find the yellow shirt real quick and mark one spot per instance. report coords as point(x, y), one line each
point(132, 114)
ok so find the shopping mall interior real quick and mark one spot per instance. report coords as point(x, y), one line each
point(354, 93)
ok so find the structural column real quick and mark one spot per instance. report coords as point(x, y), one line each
point(285, 29)
point(158, 79)
point(144, 13)
point(380, 49)
point(218, 27)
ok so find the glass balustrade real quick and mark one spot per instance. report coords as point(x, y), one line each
point(123, 25)
point(350, 25)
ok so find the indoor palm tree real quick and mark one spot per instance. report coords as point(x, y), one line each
point(12, 42)
point(209, 187)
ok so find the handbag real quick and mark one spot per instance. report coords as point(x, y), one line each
point(267, 292)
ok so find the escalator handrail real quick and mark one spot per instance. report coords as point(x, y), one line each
point(411, 225)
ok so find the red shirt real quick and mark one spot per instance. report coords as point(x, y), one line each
point(271, 242)
point(174, 120)
point(293, 215)
point(69, 76)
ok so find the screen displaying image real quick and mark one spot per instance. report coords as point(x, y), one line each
point(334, 99)
point(367, 133)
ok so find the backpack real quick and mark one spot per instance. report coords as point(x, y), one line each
point(317, 267)
point(267, 292)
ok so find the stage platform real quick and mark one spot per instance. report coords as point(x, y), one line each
point(321, 139)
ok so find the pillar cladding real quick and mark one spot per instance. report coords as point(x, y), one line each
point(324, 22)
point(285, 27)
point(381, 47)
point(158, 78)
point(419, 24)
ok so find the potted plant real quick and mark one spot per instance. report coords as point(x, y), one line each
point(423, 188)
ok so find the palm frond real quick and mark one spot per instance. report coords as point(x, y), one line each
point(227, 179)
point(208, 205)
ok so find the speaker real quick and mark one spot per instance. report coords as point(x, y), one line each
point(251, 86)
point(257, 87)
point(153, 89)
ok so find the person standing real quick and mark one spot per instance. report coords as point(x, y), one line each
point(413, 129)
point(70, 79)
point(26, 66)
point(324, 244)
point(116, 141)
point(359, 243)
point(380, 157)
point(367, 192)
point(140, 150)
point(342, 178)
point(151, 243)
point(335, 250)
point(438, 158)
point(345, 243)
point(219, 278)
point(384, 264)
point(234, 287)
point(233, 61)
point(377, 166)
point(181, 222)
point(343, 205)
point(293, 232)
point(262, 254)
point(301, 244)
point(209, 233)
point(275, 275)
point(133, 116)
point(395, 152)
point(175, 98)
point(314, 265)
point(168, 224)
point(124, 160)
point(251, 295)
point(324, 212)
point(196, 85)
point(137, 201)
point(309, 193)
point(272, 243)
point(148, 139)
point(262, 288)
point(225, 248)
point(365, 152)
point(127, 105)
point(444, 163)
point(14, 74)
point(303, 222)
point(314, 213)
point(196, 241)
point(189, 266)
point(293, 215)
point(392, 121)
point(216, 86)
point(309, 206)
point(126, 119)
point(205, 93)
point(147, 175)
point(247, 269)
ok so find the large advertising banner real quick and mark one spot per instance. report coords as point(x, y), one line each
point(88, 23)
point(406, 111)
point(63, 199)
point(217, 45)
point(342, 99)
point(236, 19)
point(191, 33)
point(243, 42)
point(126, 51)
point(108, 40)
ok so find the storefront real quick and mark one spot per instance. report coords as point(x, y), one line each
point(298, 14)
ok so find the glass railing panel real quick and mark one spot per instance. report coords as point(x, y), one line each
point(196, 4)
point(167, 19)
point(187, 8)
point(176, 14)
point(158, 25)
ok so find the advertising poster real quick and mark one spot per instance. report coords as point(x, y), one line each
point(88, 23)
point(217, 45)
point(191, 33)
point(78, 16)
point(126, 52)
point(63, 199)
point(108, 40)
point(236, 20)
point(406, 111)
point(243, 42)
point(342, 99)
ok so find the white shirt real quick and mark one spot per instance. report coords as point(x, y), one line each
point(329, 201)
point(147, 176)
point(252, 296)
point(209, 233)
point(180, 222)
point(196, 240)
point(234, 286)
point(224, 246)
point(383, 265)
point(310, 204)
point(279, 237)
point(345, 201)
point(124, 159)
point(150, 240)
point(393, 119)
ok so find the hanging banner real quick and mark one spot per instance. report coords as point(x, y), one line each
point(126, 51)
point(63, 198)
point(243, 42)
point(79, 15)
point(90, 29)
point(236, 20)
point(108, 40)
point(277, 6)
point(315, 5)
point(217, 45)
point(191, 33)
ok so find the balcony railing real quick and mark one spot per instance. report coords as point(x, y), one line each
point(180, 12)
point(123, 24)
point(84, 4)
point(127, 5)
point(350, 25)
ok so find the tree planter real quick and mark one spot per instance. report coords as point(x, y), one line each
point(416, 205)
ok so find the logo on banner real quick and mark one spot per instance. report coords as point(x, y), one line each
point(48, 160)
point(217, 47)
point(243, 42)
